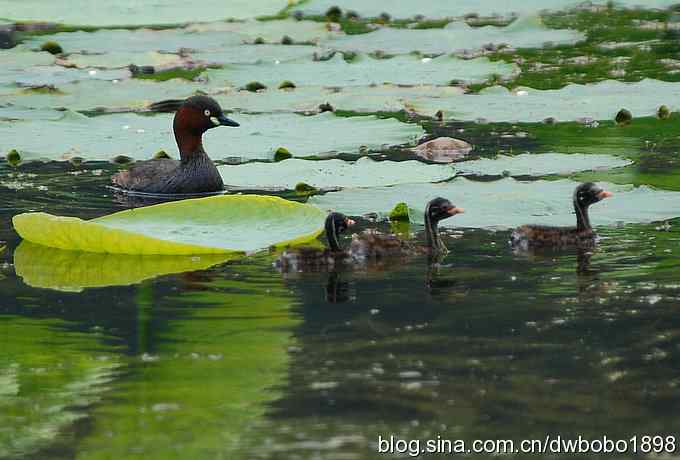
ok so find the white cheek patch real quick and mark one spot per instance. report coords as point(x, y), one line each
point(215, 121)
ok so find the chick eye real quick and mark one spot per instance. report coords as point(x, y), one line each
point(206, 112)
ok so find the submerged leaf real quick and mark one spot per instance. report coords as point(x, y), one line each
point(509, 203)
point(213, 225)
point(325, 174)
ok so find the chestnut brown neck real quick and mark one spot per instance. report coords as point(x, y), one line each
point(188, 135)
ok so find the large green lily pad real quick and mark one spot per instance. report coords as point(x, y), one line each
point(213, 225)
point(104, 137)
point(508, 203)
point(457, 36)
point(133, 12)
point(364, 71)
point(365, 172)
point(404, 9)
point(74, 271)
point(543, 164)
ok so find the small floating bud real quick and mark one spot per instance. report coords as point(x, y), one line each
point(305, 189)
point(326, 107)
point(286, 40)
point(384, 17)
point(287, 84)
point(76, 161)
point(281, 154)
point(663, 112)
point(352, 15)
point(13, 158)
point(121, 160)
point(254, 86)
point(259, 41)
point(52, 47)
point(624, 117)
point(334, 13)
point(400, 213)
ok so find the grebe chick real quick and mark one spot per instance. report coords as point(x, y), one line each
point(374, 245)
point(583, 234)
point(307, 259)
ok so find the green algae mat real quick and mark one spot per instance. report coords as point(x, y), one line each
point(213, 225)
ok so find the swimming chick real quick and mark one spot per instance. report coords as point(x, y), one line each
point(374, 245)
point(314, 259)
point(582, 235)
point(194, 172)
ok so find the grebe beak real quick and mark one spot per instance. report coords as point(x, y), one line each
point(349, 222)
point(222, 120)
point(604, 194)
point(454, 211)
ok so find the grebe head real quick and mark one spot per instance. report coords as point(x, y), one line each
point(589, 193)
point(440, 209)
point(200, 113)
point(336, 223)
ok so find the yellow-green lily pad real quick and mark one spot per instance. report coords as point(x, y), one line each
point(212, 225)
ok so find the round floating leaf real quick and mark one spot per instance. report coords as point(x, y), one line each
point(364, 99)
point(363, 71)
point(509, 203)
point(406, 9)
point(213, 225)
point(91, 94)
point(540, 164)
point(325, 174)
point(104, 137)
point(599, 101)
point(457, 36)
point(73, 271)
point(269, 31)
point(133, 12)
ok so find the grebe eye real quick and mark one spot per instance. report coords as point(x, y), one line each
point(206, 112)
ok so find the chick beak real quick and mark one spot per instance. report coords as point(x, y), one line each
point(454, 211)
point(349, 222)
point(604, 194)
point(222, 120)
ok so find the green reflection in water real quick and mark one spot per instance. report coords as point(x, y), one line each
point(205, 377)
point(48, 377)
point(490, 345)
point(44, 267)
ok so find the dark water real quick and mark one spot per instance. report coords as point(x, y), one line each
point(237, 361)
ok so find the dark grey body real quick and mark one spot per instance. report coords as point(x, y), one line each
point(196, 175)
